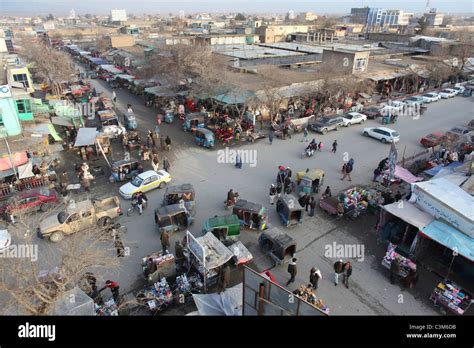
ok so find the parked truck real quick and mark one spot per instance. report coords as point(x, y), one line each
point(79, 216)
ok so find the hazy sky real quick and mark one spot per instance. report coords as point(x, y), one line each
point(62, 7)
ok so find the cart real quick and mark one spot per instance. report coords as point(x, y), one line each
point(157, 266)
point(451, 297)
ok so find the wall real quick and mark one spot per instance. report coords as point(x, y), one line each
point(16, 71)
point(122, 41)
point(11, 124)
point(278, 33)
point(389, 37)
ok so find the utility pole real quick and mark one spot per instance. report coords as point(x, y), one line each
point(10, 157)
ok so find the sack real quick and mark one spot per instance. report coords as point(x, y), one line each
point(348, 168)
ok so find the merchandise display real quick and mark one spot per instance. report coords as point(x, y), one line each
point(109, 308)
point(357, 200)
point(309, 295)
point(156, 297)
point(451, 297)
point(157, 265)
point(405, 263)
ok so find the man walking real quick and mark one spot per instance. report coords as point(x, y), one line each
point(292, 270)
point(347, 169)
point(346, 273)
point(168, 143)
point(312, 206)
point(114, 288)
point(141, 200)
point(305, 135)
point(270, 136)
point(334, 146)
point(338, 269)
point(165, 241)
point(166, 164)
point(238, 162)
point(314, 276)
point(273, 192)
point(114, 96)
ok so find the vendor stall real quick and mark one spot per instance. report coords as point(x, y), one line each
point(241, 253)
point(400, 174)
point(451, 297)
point(405, 263)
point(309, 295)
point(157, 266)
point(157, 297)
point(109, 308)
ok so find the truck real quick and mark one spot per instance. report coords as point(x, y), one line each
point(79, 216)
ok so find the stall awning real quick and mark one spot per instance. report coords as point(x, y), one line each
point(234, 98)
point(450, 237)
point(216, 253)
point(126, 77)
point(25, 171)
point(227, 303)
point(409, 213)
point(62, 121)
point(437, 169)
point(85, 136)
point(111, 69)
point(405, 175)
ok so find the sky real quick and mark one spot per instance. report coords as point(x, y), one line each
point(62, 7)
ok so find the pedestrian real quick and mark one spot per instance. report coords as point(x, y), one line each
point(411, 279)
point(394, 270)
point(141, 200)
point(292, 270)
point(64, 180)
point(287, 184)
point(377, 172)
point(346, 273)
point(312, 206)
point(334, 146)
point(338, 269)
point(119, 246)
point(224, 279)
point(462, 156)
point(166, 164)
point(273, 192)
point(155, 162)
point(307, 202)
point(383, 164)
point(279, 189)
point(347, 169)
point(146, 154)
point(320, 146)
point(168, 143)
point(151, 139)
point(238, 161)
point(114, 288)
point(114, 96)
point(340, 210)
point(305, 135)
point(270, 136)
point(94, 92)
point(165, 241)
point(162, 144)
point(288, 172)
point(327, 193)
point(314, 276)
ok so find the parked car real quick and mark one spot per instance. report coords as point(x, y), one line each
point(327, 124)
point(29, 201)
point(457, 132)
point(414, 100)
point(459, 89)
point(79, 216)
point(384, 134)
point(433, 139)
point(5, 240)
point(430, 97)
point(447, 93)
point(353, 118)
point(144, 182)
point(372, 112)
point(398, 104)
point(390, 110)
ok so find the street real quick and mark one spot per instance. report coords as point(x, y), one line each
point(370, 291)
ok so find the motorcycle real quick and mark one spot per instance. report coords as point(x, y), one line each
point(230, 203)
point(134, 207)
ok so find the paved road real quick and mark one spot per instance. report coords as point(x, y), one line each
point(370, 292)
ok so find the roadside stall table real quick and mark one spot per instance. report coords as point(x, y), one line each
point(451, 297)
point(156, 297)
point(157, 266)
point(309, 295)
point(405, 263)
point(109, 308)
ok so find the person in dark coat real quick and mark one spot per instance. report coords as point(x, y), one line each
point(279, 189)
point(273, 192)
point(346, 273)
point(383, 164)
point(168, 143)
point(292, 270)
point(334, 146)
point(338, 269)
point(270, 136)
point(288, 172)
point(166, 164)
point(394, 270)
point(314, 276)
point(307, 202)
point(312, 206)
point(165, 241)
point(224, 279)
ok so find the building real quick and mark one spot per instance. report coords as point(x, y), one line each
point(352, 62)
point(307, 17)
point(118, 41)
point(279, 33)
point(118, 15)
point(10, 124)
point(380, 18)
point(433, 18)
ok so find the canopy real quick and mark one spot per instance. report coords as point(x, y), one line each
point(62, 121)
point(126, 77)
point(45, 129)
point(409, 213)
point(82, 304)
point(161, 91)
point(111, 69)
point(215, 252)
point(97, 61)
point(437, 169)
point(85, 136)
point(25, 171)
point(405, 175)
point(234, 98)
point(450, 237)
point(228, 303)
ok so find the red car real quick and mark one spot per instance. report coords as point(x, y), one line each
point(433, 139)
point(32, 200)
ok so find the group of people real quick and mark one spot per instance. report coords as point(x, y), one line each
point(95, 293)
point(340, 268)
point(446, 156)
point(313, 147)
point(347, 169)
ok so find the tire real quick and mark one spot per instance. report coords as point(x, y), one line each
point(130, 211)
point(44, 207)
point(348, 125)
point(103, 221)
point(324, 131)
point(337, 127)
point(383, 140)
point(365, 134)
point(362, 121)
point(161, 185)
point(56, 236)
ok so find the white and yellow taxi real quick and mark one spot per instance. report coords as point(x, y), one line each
point(144, 182)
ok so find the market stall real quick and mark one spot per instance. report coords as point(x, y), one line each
point(406, 264)
point(241, 254)
point(400, 174)
point(309, 295)
point(157, 266)
point(451, 297)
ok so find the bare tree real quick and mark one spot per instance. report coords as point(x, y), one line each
point(23, 287)
point(50, 64)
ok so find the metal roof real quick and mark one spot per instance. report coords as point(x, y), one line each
point(170, 209)
point(246, 205)
point(224, 220)
point(179, 188)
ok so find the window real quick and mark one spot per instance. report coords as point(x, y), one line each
point(72, 218)
point(23, 106)
point(22, 78)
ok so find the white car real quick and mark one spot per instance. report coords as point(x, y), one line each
point(447, 93)
point(389, 110)
point(398, 104)
point(384, 134)
point(459, 89)
point(430, 97)
point(5, 240)
point(353, 118)
point(144, 182)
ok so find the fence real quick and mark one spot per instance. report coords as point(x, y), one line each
point(7, 190)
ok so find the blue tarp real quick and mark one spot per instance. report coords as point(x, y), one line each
point(436, 170)
point(97, 61)
point(450, 238)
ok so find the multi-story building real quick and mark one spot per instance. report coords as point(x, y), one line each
point(433, 18)
point(380, 18)
point(117, 15)
point(279, 33)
